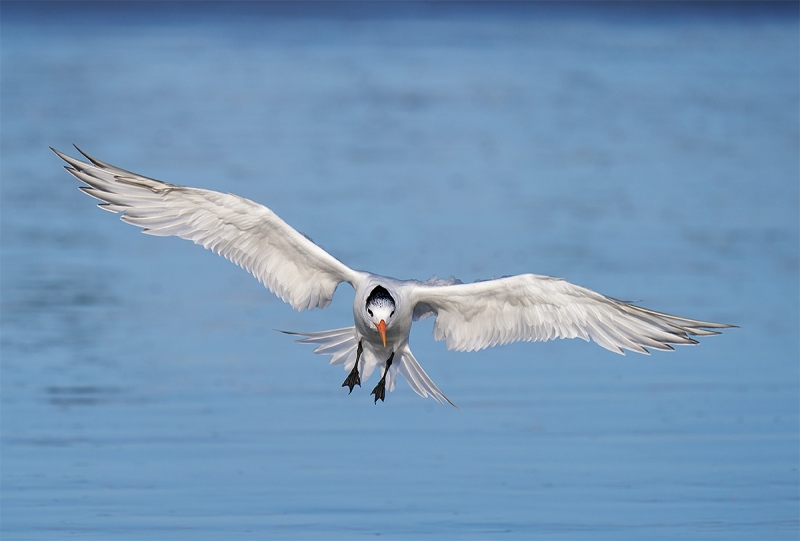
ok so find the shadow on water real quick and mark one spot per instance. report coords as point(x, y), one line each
point(81, 395)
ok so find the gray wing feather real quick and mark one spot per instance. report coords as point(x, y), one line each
point(537, 308)
point(246, 233)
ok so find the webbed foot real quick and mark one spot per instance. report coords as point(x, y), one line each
point(380, 389)
point(354, 378)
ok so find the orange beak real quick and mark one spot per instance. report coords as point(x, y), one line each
point(382, 329)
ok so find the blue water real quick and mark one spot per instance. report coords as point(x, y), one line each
point(647, 151)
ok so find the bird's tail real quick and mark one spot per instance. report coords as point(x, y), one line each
point(341, 345)
point(418, 380)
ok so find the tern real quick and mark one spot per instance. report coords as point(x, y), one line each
point(469, 317)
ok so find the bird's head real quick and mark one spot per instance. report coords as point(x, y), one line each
point(380, 309)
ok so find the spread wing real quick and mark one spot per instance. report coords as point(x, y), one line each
point(246, 233)
point(537, 308)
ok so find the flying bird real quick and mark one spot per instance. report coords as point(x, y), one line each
point(469, 317)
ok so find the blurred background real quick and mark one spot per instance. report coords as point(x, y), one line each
point(648, 151)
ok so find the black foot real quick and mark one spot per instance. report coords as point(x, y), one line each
point(354, 378)
point(380, 389)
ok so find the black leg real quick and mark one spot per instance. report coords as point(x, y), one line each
point(354, 378)
point(380, 389)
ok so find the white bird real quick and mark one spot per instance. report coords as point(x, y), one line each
point(469, 317)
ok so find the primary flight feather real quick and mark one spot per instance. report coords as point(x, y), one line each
point(469, 317)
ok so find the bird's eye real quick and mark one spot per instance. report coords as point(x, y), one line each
point(390, 315)
point(370, 312)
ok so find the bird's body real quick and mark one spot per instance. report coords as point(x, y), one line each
point(468, 316)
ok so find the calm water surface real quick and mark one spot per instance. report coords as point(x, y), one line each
point(646, 152)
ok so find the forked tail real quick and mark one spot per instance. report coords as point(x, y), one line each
point(341, 345)
point(418, 380)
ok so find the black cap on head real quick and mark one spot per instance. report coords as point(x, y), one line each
point(380, 295)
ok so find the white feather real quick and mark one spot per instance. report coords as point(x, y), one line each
point(248, 234)
point(536, 308)
point(468, 316)
point(344, 342)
